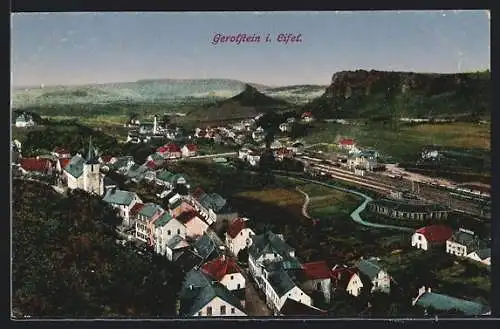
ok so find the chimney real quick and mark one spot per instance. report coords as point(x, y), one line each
point(190, 287)
point(154, 125)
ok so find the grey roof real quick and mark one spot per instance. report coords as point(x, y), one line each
point(288, 263)
point(484, 253)
point(446, 303)
point(174, 241)
point(213, 201)
point(119, 197)
point(204, 246)
point(466, 239)
point(150, 209)
point(138, 172)
point(281, 282)
point(75, 166)
point(198, 290)
point(268, 243)
point(369, 267)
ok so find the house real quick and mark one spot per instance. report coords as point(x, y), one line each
point(266, 247)
point(124, 201)
point(186, 259)
point(180, 206)
point(200, 133)
point(195, 226)
point(144, 225)
point(61, 153)
point(36, 166)
point(276, 144)
point(176, 246)
point(137, 173)
point(166, 227)
point(238, 235)
point(201, 296)
point(346, 144)
point(278, 287)
point(346, 279)
point(297, 148)
point(170, 151)
point(366, 160)
point(307, 117)
point(482, 255)
point(259, 134)
point(285, 126)
point(120, 164)
point(253, 158)
point(169, 179)
point(428, 300)
point(24, 121)
point(206, 248)
point(434, 235)
point(243, 153)
point(371, 270)
point(84, 173)
point(156, 158)
point(189, 150)
point(61, 164)
point(462, 243)
point(294, 308)
point(283, 153)
point(227, 272)
point(318, 277)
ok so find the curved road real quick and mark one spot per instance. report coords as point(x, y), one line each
point(355, 215)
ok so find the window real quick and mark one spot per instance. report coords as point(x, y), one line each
point(169, 232)
point(178, 231)
point(232, 277)
point(200, 313)
point(209, 311)
point(241, 233)
point(239, 286)
point(232, 310)
point(318, 285)
point(223, 310)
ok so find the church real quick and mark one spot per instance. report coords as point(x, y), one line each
point(84, 173)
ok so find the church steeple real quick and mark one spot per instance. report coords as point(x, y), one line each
point(92, 154)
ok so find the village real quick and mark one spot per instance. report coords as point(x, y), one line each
point(220, 272)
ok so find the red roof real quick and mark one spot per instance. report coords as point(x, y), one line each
point(186, 216)
point(64, 162)
point(436, 233)
point(151, 164)
point(136, 208)
point(236, 226)
point(34, 164)
point(220, 267)
point(347, 141)
point(317, 270)
point(61, 150)
point(306, 114)
point(106, 158)
point(198, 193)
point(170, 148)
point(191, 147)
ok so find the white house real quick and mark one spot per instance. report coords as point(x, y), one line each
point(195, 226)
point(318, 277)
point(124, 201)
point(433, 235)
point(347, 279)
point(24, 120)
point(253, 159)
point(278, 287)
point(166, 227)
point(243, 153)
point(285, 126)
point(238, 236)
point(462, 243)
point(372, 270)
point(144, 224)
point(227, 272)
point(266, 247)
point(202, 296)
point(189, 150)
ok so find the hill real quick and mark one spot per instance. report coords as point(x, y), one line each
point(246, 104)
point(298, 94)
point(365, 94)
point(66, 262)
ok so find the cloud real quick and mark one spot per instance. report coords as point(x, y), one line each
point(63, 40)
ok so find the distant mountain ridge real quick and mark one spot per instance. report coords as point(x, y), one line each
point(361, 93)
point(143, 91)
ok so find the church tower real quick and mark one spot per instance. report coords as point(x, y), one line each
point(92, 177)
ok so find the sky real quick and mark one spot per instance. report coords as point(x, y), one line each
point(82, 48)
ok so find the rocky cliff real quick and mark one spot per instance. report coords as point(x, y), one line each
point(378, 93)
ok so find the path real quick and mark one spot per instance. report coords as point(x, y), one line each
point(213, 155)
point(355, 215)
point(306, 203)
